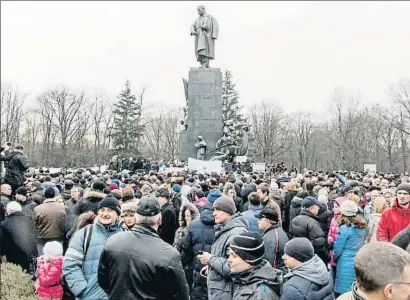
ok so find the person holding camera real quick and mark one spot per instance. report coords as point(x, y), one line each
point(16, 165)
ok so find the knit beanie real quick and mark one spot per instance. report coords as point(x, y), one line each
point(111, 202)
point(213, 195)
point(300, 249)
point(49, 193)
point(21, 191)
point(52, 250)
point(98, 186)
point(249, 246)
point(225, 204)
point(404, 187)
point(349, 208)
point(113, 186)
point(176, 188)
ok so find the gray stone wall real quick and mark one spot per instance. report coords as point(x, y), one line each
point(204, 111)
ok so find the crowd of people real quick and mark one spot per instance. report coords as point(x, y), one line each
point(229, 236)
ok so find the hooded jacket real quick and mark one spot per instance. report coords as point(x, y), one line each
point(220, 285)
point(308, 281)
point(393, 220)
point(48, 283)
point(257, 283)
point(295, 208)
point(200, 236)
point(89, 202)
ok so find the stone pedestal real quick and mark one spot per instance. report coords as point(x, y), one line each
point(204, 111)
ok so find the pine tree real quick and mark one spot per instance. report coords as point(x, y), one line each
point(127, 118)
point(231, 111)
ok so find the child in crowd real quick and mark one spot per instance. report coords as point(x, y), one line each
point(49, 272)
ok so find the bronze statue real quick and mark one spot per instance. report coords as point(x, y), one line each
point(200, 146)
point(205, 29)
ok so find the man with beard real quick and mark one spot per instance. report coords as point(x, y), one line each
point(396, 218)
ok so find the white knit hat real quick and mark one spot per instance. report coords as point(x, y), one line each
point(52, 250)
point(349, 208)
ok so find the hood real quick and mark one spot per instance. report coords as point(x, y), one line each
point(296, 201)
point(313, 270)
point(237, 220)
point(213, 195)
point(262, 273)
point(184, 207)
point(206, 216)
point(94, 196)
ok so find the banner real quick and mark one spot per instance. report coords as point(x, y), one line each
point(203, 166)
point(370, 168)
point(258, 167)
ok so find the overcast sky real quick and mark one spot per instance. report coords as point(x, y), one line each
point(293, 53)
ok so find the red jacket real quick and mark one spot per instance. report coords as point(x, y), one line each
point(393, 220)
point(49, 278)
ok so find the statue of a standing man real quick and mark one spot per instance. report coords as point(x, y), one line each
point(205, 29)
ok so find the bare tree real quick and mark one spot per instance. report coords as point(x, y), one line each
point(302, 127)
point(11, 103)
point(271, 139)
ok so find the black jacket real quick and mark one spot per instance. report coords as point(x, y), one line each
point(286, 209)
point(17, 164)
point(89, 202)
point(28, 207)
point(307, 225)
point(18, 240)
point(199, 237)
point(295, 208)
point(271, 251)
point(167, 229)
point(137, 264)
point(402, 239)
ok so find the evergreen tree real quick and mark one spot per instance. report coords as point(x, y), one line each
point(126, 126)
point(231, 110)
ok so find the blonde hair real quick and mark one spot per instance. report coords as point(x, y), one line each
point(379, 204)
point(355, 199)
point(291, 187)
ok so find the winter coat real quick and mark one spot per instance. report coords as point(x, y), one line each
point(257, 283)
point(49, 274)
point(182, 230)
point(348, 243)
point(239, 201)
point(393, 220)
point(137, 264)
point(274, 254)
point(28, 207)
point(80, 271)
point(287, 203)
point(18, 240)
point(244, 195)
point(17, 164)
point(89, 202)
point(251, 215)
point(166, 230)
point(308, 281)
point(324, 218)
point(199, 237)
point(331, 238)
point(306, 225)
point(372, 227)
point(368, 211)
point(177, 202)
point(402, 239)
point(295, 208)
point(220, 285)
point(70, 215)
point(49, 219)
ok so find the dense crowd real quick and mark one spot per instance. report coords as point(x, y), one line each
point(184, 235)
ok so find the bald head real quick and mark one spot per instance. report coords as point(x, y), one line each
point(201, 10)
point(5, 189)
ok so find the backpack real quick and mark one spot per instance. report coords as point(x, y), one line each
point(88, 230)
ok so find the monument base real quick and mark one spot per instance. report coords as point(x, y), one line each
point(204, 112)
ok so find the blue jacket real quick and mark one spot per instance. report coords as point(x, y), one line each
point(308, 281)
point(81, 273)
point(348, 243)
point(251, 215)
